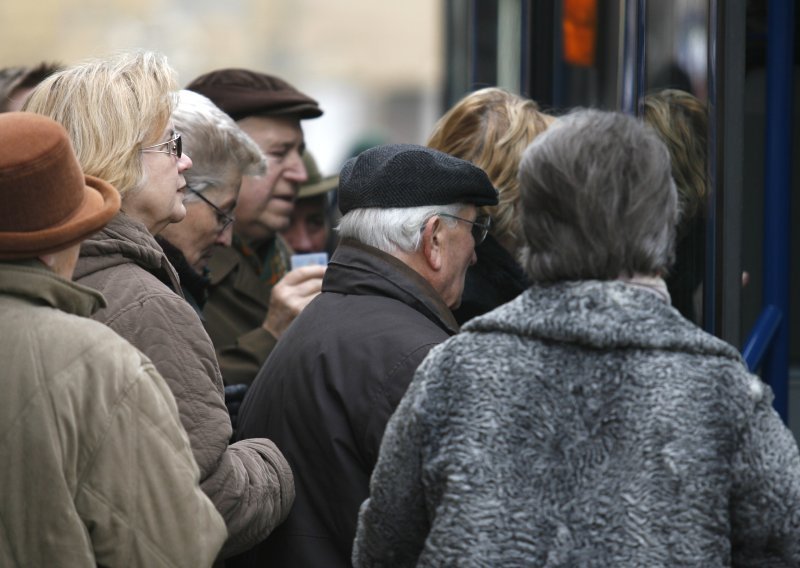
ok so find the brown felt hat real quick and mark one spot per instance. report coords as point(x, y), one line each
point(242, 93)
point(316, 184)
point(47, 204)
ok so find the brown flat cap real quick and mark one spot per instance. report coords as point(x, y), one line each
point(242, 93)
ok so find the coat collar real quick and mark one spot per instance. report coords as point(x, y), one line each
point(32, 281)
point(253, 271)
point(123, 241)
point(601, 315)
point(359, 269)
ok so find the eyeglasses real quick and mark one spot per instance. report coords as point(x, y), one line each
point(223, 219)
point(174, 146)
point(480, 226)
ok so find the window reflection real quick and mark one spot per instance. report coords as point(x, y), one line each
point(675, 105)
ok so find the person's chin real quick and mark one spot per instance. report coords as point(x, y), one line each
point(278, 223)
point(178, 214)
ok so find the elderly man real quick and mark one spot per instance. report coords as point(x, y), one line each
point(408, 234)
point(309, 229)
point(97, 469)
point(252, 296)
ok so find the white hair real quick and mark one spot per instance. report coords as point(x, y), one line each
point(393, 229)
point(215, 143)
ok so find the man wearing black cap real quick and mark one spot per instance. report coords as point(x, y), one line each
point(252, 297)
point(408, 234)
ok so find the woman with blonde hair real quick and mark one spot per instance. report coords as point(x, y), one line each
point(491, 128)
point(681, 121)
point(117, 112)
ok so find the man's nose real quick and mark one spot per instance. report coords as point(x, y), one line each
point(295, 170)
point(225, 237)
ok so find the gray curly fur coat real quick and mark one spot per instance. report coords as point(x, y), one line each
point(584, 424)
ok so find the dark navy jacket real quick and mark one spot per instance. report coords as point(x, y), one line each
point(326, 392)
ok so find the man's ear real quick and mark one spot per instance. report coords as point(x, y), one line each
point(432, 243)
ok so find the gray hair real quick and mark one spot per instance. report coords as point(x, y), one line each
point(598, 201)
point(393, 229)
point(215, 143)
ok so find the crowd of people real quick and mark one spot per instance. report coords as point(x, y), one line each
point(471, 352)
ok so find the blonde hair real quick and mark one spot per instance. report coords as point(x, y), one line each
point(491, 128)
point(111, 108)
point(681, 121)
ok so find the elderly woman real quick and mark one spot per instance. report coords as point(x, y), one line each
point(117, 112)
point(586, 423)
point(491, 128)
point(221, 154)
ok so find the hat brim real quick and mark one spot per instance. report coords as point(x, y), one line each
point(301, 111)
point(325, 185)
point(101, 201)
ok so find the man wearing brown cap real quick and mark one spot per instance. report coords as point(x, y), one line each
point(408, 234)
point(97, 469)
point(253, 297)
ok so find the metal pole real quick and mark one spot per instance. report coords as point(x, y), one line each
point(630, 64)
point(777, 185)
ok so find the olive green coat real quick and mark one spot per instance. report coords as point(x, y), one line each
point(238, 301)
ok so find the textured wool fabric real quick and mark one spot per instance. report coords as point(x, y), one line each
point(583, 424)
point(407, 175)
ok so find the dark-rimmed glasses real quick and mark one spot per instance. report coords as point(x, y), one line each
point(480, 226)
point(223, 219)
point(174, 146)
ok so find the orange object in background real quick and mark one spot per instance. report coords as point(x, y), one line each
point(579, 27)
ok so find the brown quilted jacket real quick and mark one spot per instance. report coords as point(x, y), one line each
point(250, 482)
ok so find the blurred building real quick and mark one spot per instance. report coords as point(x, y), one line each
point(374, 66)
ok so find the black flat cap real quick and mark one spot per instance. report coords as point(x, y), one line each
point(407, 175)
point(242, 93)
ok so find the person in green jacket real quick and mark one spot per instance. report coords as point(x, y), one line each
point(254, 296)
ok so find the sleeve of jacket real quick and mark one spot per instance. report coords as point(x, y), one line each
point(140, 498)
point(765, 501)
point(250, 482)
point(393, 522)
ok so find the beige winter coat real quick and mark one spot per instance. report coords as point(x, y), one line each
point(96, 468)
point(250, 482)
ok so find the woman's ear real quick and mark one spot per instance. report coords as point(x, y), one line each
point(431, 245)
